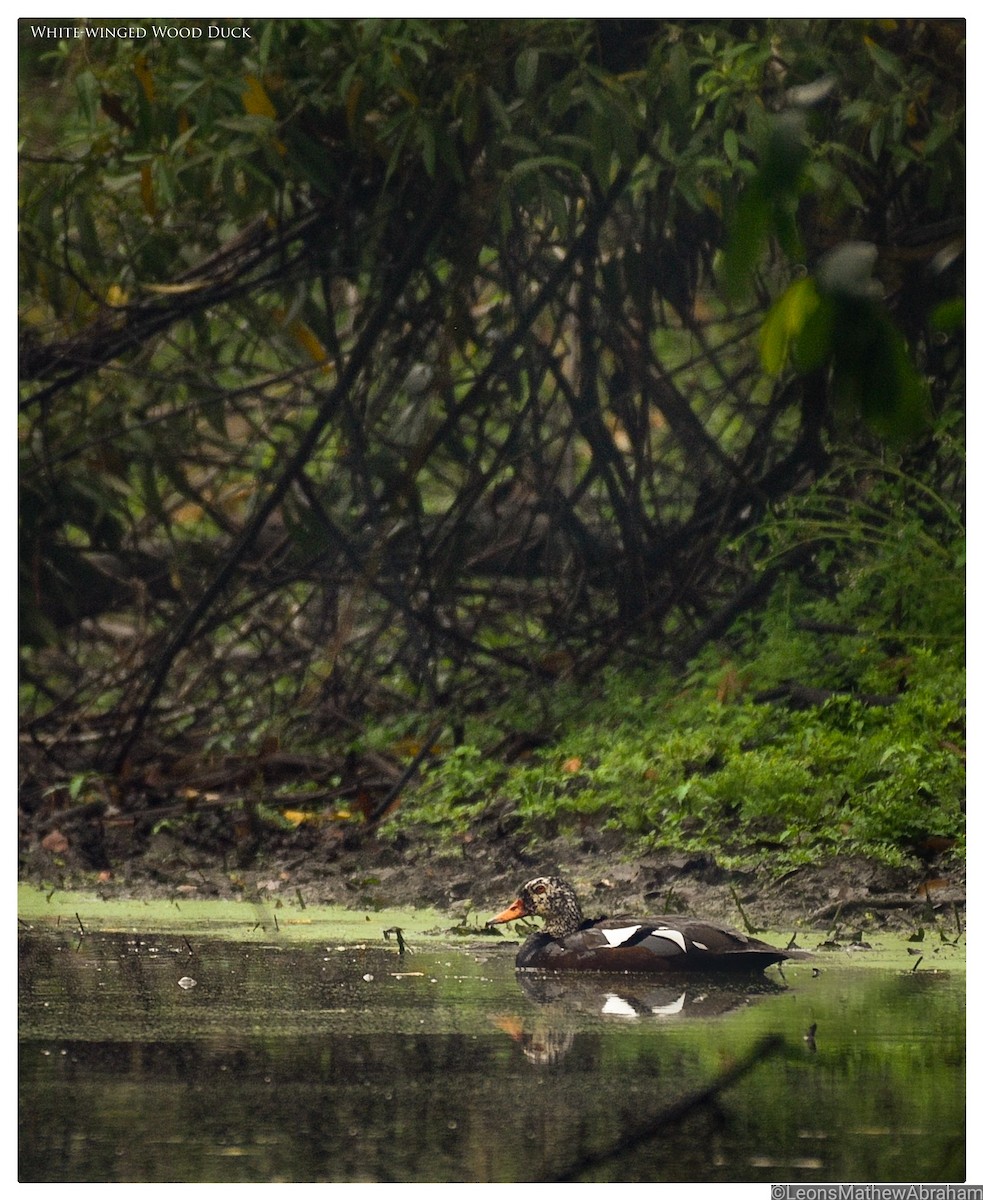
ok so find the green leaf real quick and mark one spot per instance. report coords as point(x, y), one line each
point(526, 67)
point(498, 110)
point(873, 372)
point(428, 148)
point(679, 68)
point(150, 493)
point(748, 232)
point(888, 63)
point(877, 133)
point(813, 346)
point(601, 147)
point(88, 238)
point(950, 315)
point(542, 160)
point(87, 88)
point(785, 322)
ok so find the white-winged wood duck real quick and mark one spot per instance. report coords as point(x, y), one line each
point(568, 942)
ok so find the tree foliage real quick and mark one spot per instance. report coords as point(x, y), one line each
point(383, 362)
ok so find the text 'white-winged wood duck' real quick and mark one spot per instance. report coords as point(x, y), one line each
point(568, 942)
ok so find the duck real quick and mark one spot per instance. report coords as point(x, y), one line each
point(626, 944)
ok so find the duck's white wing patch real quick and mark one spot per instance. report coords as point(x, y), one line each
point(615, 937)
point(670, 1010)
point(616, 1006)
point(673, 935)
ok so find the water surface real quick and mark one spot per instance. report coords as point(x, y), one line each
point(300, 1057)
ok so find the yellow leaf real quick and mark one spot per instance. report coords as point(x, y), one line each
point(407, 747)
point(351, 101)
point(183, 125)
point(305, 337)
point(187, 514)
point(175, 289)
point(255, 100)
point(232, 502)
point(294, 817)
point(116, 297)
point(785, 321)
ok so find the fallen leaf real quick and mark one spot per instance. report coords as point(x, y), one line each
point(931, 885)
point(55, 842)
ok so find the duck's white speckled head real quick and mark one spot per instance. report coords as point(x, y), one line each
point(548, 897)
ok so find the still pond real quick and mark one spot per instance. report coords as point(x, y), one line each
point(222, 1043)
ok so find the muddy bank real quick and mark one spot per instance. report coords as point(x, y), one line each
point(477, 877)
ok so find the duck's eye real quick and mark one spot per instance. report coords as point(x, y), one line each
point(539, 889)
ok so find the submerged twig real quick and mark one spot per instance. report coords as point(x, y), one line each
point(398, 933)
point(767, 1047)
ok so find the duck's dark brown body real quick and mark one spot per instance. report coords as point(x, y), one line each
point(634, 944)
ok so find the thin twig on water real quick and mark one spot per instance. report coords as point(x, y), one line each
point(766, 1048)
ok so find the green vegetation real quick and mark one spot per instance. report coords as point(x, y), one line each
point(286, 916)
point(833, 721)
point(600, 382)
point(754, 781)
point(811, 738)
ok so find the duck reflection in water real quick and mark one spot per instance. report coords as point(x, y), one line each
point(547, 1036)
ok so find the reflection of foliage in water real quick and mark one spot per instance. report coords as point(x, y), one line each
point(285, 1063)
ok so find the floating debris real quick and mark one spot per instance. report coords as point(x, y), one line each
point(395, 931)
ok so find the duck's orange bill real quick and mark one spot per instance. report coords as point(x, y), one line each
point(512, 913)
